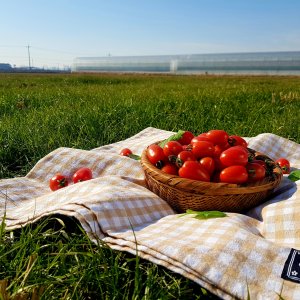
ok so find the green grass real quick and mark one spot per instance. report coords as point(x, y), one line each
point(39, 113)
point(56, 260)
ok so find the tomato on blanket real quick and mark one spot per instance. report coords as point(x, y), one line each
point(58, 181)
point(284, 164)
point(125, 152)
point(82, 174)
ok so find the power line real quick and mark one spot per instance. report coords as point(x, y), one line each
point(54, 50)
point(46, 49)
point(37, 57)
point(12, 46)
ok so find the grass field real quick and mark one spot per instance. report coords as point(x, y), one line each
point(39, 113)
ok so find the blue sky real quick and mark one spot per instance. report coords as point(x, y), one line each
point(60, 30)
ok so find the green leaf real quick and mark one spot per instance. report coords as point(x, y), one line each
point(210, 214)
point(295, 175)
point(174, 137)
point(205, 214)
point(134, 156)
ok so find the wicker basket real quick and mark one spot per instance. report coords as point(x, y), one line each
point(183, 194)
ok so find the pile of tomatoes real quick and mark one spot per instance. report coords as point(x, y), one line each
point(213, 156)
point(59, 180)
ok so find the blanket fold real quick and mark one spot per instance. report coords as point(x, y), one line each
point(229, 256)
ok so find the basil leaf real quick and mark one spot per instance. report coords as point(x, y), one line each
point(295, 175)
point(190, 211)
point(134, 156)
point(210, 214)
point(174, 137)
point(205, 214)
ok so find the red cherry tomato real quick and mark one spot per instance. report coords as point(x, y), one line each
point(125, 152)
point(82, 174)
point(186, 138)
point(260, 162)
point(155, 153)
point(172, 148)
point(235, 155)
point(235, 140)
point(226, 146)
point(200, 137)
point(184, 156)
point(234, 174)
point(203, 134)
point(193, 170)
point(208, 163)
point(203, 148)
point(255, 171)
point(58, 181)
point(218, 137)
point(170, 169)
point(284, 164)
point(218, 150)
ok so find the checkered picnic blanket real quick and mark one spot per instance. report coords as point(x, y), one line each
point(254, 252)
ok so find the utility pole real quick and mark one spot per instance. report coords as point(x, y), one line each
point(29, 57)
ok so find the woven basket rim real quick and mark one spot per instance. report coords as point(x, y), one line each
point(201, 187)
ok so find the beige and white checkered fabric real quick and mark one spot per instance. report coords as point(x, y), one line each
point(229, 256)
